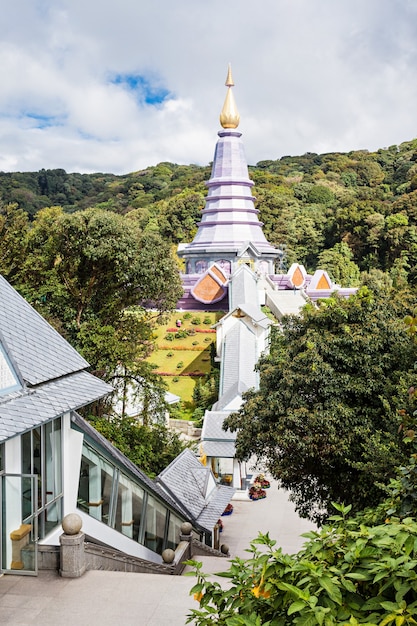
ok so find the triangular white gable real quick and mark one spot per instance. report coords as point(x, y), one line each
point(248, 250)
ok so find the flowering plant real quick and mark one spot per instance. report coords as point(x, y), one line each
point(228, 510)
point(265, 484)
point(256, 492)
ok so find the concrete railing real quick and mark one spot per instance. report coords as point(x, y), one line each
point(76, 555)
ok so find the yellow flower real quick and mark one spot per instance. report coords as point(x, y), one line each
point(259, 591)
point(198, 596)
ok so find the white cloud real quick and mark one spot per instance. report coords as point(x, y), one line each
point(311, 75)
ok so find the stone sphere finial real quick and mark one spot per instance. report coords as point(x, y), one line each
point(224, 548)
point(186, 528)
point(168, 556)
point(71, 524)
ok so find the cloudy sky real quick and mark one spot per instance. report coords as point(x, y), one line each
point(100, 85)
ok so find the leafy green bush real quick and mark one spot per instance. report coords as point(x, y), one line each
point(207, 320)
point(346, 574)
point(169, 337)
point(198, 417)
point(151, 448)
point(196, 321)
point(187, 316)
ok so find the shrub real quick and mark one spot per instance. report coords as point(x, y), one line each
point(169, 337)
point(207, 320)
point(196, 321)
point(180, 364)
point(347, 573)
point(187, 316)
point(175, 379)
point(198, 417)
point(170, 354)
point(195, 343)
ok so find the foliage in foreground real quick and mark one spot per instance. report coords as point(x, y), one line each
point(347, 573)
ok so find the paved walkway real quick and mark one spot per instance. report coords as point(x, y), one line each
point(108, 598)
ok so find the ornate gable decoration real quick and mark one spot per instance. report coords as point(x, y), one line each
point(321, 281)
point(211, 287)
point(297, 276)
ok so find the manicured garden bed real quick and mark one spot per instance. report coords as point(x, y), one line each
point(183, 350)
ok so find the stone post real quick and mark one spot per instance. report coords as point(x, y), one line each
point(72, 547)
point(186, 535)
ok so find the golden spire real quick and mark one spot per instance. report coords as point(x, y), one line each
point(229, 117)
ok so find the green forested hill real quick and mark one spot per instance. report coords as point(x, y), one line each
point(348, 212)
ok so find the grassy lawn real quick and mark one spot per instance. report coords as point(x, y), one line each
point(176, 362)
point(186, 358)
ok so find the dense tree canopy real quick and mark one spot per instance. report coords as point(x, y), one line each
point(310, 203)
point(90, 273)
point(326, 418)
point(93, 264)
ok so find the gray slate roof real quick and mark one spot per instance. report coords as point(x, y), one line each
point(34, 406)
point(219, 449)
point(213, 427)
point(239, 359)
point(38, 350)
point(243, 288)
point(186, 479)
point(52, 373)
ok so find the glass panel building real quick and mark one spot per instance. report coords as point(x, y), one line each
point(52, 462)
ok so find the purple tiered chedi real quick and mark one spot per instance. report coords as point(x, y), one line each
point(229, 219)
point(230, 233)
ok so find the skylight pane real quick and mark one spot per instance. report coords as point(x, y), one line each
point(8, 379)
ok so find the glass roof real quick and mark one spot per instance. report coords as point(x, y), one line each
point(9, 380)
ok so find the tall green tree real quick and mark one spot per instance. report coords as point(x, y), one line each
point(90, 274)
point(152, 449)
point(325, 420)
point(14, 225)
point(337, 261)
point(93, 264)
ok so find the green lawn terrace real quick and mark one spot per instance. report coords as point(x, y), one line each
point(183, 348)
